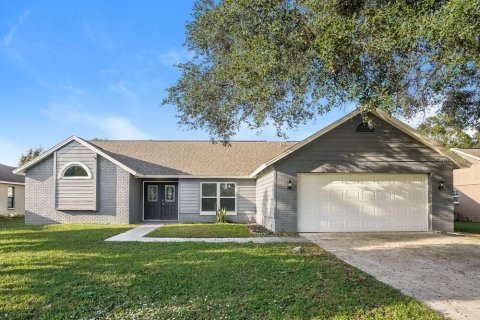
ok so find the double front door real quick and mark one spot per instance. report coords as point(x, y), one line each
point(160, 201)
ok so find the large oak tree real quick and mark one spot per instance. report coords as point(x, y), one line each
point(283, 62)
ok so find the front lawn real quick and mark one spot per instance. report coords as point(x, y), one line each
point(69, 272)
point(470, 227)
point(205, 230)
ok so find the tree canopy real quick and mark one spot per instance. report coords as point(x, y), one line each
point(448, 133)
point(31, 154)
point(283, 62)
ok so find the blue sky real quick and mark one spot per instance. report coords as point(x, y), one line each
point(95, 69)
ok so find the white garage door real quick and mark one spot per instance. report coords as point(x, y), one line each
point(351, 202)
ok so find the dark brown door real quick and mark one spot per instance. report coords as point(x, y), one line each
point(160, 201)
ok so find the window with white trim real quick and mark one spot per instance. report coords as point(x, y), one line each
point(456, 196)
point(218, 195)
point(75, 170)
point(11, 197)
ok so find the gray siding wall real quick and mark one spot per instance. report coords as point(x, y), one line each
point(265, 190)
point(189, 200)
point(387, 150)
point(112, 199)
point(76, 194)
point(136, 199)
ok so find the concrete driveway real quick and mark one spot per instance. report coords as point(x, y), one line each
point(442, 271)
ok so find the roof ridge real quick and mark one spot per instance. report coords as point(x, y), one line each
point(172, 140)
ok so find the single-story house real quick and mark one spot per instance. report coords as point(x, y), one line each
point(348, 176)
point(467, 186)
point(12, 192)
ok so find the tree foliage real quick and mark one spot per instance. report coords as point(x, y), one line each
point(31, 154)
point(463, 108)
point(285, 61)
point(448, 133)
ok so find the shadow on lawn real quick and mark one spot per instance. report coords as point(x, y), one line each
point(69, 272)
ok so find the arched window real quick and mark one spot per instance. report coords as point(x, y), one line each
point(365, 127)
point(75, 170)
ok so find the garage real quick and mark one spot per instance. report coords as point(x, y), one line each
point(362, 202)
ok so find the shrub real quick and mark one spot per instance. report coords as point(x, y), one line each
point(221, 215)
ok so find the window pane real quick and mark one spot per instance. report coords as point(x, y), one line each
point(10, 203)
point(10, 192)
point(152, 191)
point(209, 204)
point(228, 203)
point(75, 171)
point(227, 189)
point(209, 189)
point(169, 193)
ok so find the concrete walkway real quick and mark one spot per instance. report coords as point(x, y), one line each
point(440, 270)
point(138, 235)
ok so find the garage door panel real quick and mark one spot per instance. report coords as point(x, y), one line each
point(336, 195)
point(416, 223)
point(384, 224)
point(368, 194)
point(368, 210)
point(352, 210)
point(362, 202)
point(339, 224)
point(384, 195)
point(353, 194)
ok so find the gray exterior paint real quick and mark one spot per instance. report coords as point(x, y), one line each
point(136, 198)
point(387, 150)
point(265, 190)
point(76, 194)
point(114, 195)
point(112, 199)
point(189, 200)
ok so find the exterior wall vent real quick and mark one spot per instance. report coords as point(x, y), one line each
point(365, 127)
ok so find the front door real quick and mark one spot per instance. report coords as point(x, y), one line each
point(160, 201)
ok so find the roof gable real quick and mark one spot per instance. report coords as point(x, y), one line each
point(155, 159)
point(458, 161)
point(242, 159)
point(21, 170)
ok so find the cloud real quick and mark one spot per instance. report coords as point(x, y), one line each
point(127, 94)
point(174, 56)
point(100, 38)
point(8, 37)
point(114, 127)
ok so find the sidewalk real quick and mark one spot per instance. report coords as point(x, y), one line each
point(138, 235)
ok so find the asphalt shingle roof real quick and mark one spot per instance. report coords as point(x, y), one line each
point(196, 158)
point(7, 175)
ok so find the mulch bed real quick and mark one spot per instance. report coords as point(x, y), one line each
point(258, 229)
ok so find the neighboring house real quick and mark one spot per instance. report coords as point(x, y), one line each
point(467, 186)
point(346, 177)
point(12, 192)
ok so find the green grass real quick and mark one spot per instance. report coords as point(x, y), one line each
point(470, 227)
point(206, 230)
point(69, 272)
